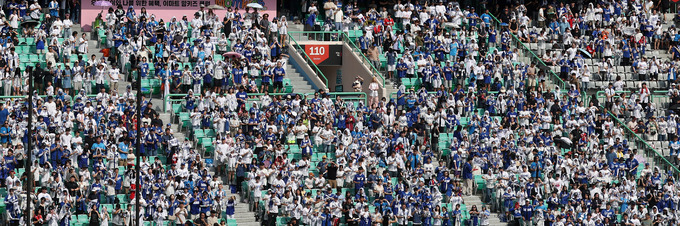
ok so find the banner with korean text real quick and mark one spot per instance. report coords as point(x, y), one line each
point(166, 9)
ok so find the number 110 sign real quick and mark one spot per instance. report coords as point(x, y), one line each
point(318, 53)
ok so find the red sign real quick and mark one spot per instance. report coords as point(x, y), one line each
point(318, 53)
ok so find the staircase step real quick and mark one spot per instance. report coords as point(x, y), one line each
point(299, 83)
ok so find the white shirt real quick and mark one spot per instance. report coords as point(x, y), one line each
point(642, 67)
point(67, 23)
point(82, 45)
point(35, 13)
point(328, 136)
point(114, 74)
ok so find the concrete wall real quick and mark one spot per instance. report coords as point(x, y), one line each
point(304, 69)
point(344, 75)
point(352, 66)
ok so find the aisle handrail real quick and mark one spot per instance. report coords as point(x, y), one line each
point(351, 44)
point(562, 84)
point(311, 63)
point(635, 135)
point(335, 36)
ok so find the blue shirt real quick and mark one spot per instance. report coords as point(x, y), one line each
point(391, 58)
point(266, 77)
point(400, 99)
point(241, 95)
point(4, 135)
point(98, 145)
point(145, 69)
point(195, 205)
point(486, 18)
point(248, 54)
point(467, 171)
point(473, 19)
point(3, 116)
point(359, 179)
point(363, 42)
point(238, 75)
point(82, 161)
point(279, 72)
point(124, 148)
point(527, 212)
point(402, 73)
point(448, 72)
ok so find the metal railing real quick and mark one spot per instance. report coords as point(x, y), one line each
point(319, 36)
point(394, 94)
point(346, 96)
point(602, 97)
point(648, 150)
point(311, 63)
point(254, 97)
point(179, 97)
point(657, 96)
point(357, 50)
point(529, 53)
point(68, 98)
point(327, 36)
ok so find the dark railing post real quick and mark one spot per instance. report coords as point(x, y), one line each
point(29, 149)
point(139, 147)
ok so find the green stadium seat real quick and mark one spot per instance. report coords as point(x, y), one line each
point(23, 49)
point(231, 222)
point(176, 108)
point(122, 198)
point(82, 218)
point(186, 124)
point(156, 85)
point(34, 58)
point(146, 86)
point(207, 142)
point(198, 134)
point(210, 133)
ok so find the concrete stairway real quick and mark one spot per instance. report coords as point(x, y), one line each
point(92, 47)
point(242, 215)
point(175, 127)
point(299, 83)
point(477, 201)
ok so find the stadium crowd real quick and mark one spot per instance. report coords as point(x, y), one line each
point(474, 117)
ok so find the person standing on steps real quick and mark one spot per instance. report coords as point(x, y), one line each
point(467, 177)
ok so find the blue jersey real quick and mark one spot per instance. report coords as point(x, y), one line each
point(359, 180)
point(267, 76)
point(144, 69)
point(195, 205)
point(363, 42)
point(473, 19)
point(238, 75)
point(527, 212)
point(279, 72)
